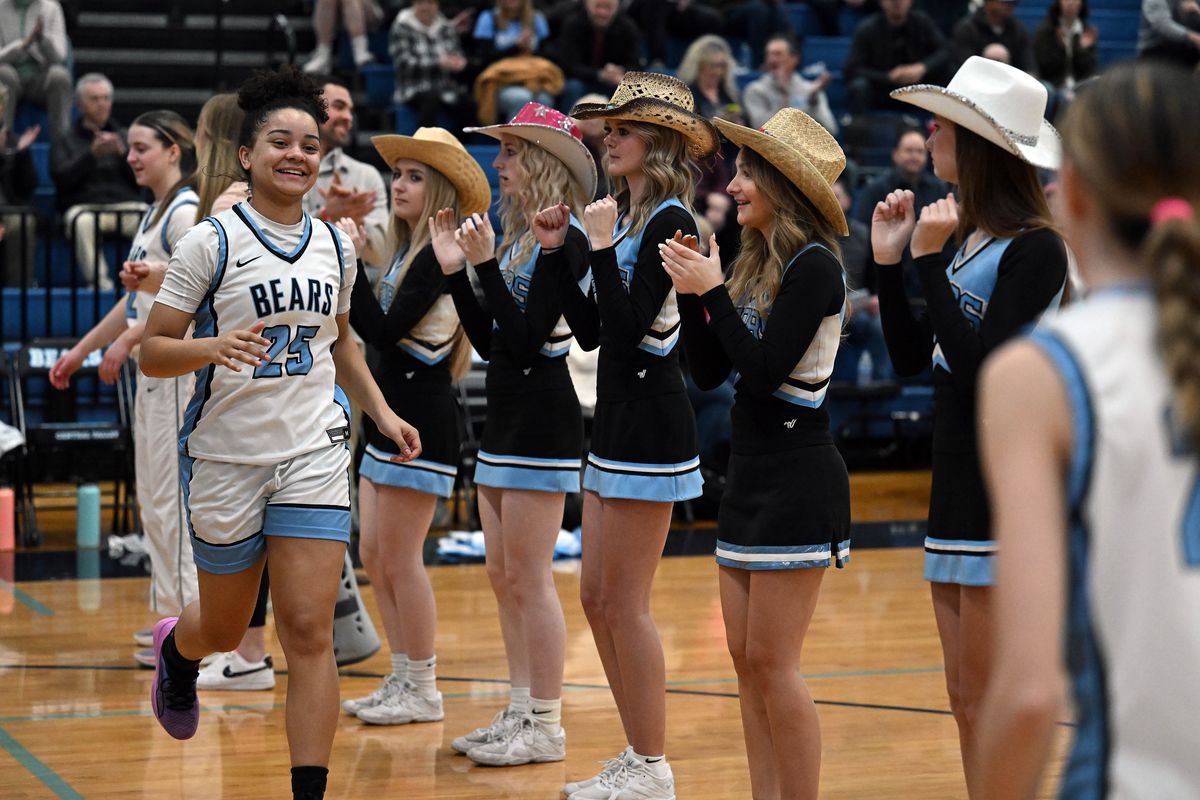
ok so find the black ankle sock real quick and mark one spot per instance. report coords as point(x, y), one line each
point(175, 661)
point(308, 783)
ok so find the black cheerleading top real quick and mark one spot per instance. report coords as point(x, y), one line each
point(973, 305)
point(775, 407)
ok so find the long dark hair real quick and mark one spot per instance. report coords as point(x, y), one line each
point(999, 193)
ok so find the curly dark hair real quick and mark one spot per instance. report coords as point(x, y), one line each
point(266, 92)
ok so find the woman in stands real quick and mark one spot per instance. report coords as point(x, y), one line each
point(785, 513)
point(411, 323)
point(989, 139)
point(533, 435)
point(1090, 431)
point(643, 455)
point(509, 29)
point(265, 456)
point(162, 155)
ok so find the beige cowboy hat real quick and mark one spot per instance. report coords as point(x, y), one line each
point(659, 100)
point(439, 148)
point(997, 101)
point(554, 132)
point(800, 148)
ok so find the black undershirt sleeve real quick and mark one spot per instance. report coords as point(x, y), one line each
point(706, 360)
point(476, 321)
point(909, 338)
point(422, 285)
point(578, 305)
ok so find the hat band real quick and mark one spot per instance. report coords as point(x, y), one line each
point(1029, 140)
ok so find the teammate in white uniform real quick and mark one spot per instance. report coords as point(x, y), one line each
point(1090, 431)
point(163, 158)
point(264, 455)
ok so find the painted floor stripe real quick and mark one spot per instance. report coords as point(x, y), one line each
point(32, 603)
point(36, 768)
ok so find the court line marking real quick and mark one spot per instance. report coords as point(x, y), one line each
point(26, 599)
point(35, 767)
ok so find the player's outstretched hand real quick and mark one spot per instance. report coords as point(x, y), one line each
point(240, 347)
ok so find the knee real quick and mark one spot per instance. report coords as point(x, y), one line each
point(737, 651)
point(766, 666)
point(592, 600)
point(58, 79)
point(498, 578)
point(306, 632)
point(525, 586)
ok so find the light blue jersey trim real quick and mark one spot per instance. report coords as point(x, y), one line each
point(419, 474)
point(206, 326)
point(788, 557)
point(963, 561)
point(525, 472)
point(424, 355)
point(166, 223)
point(217, 559)
point(307, 522)
point(274, 248)
point(653, 482)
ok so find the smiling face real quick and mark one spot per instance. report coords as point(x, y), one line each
point(285, 156)
point(152, 162)
point(408, 191)
point(754, 209)
point(626, 150)
point(513, 177)
point(941, 146)
point(340, 108)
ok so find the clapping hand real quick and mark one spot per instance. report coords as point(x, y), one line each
point(356, 232)
point(599, 219)
point(550, 226)
point(892, 226)
point(937, 223)
point(477, 239)
point(691, 272)
point(442, 229)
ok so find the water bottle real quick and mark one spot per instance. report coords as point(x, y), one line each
point(87, 515)
point(866, 368)
point(7, 523)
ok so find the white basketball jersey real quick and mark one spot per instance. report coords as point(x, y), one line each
point(1134, 557)
point(155, 242)
point(233, 270)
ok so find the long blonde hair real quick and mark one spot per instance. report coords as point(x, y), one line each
point(757, 272)
point(547, 182)
point(700, 51)
point(220, 123)
point(439, 193)
point(667, 168)
point(1131, 138)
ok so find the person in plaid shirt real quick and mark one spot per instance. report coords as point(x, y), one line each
point(429, 62)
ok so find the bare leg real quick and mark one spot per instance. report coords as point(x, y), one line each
point(325, 21)
point(975, 664)
point(512, 627)
point(370, 550)
point(353, 17)
point(216, 621)
point(409, 514)
point(304, 584)
point(948, 609)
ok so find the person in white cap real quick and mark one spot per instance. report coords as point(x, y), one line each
point(989, 139)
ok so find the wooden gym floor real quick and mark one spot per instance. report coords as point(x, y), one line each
point(75, 719)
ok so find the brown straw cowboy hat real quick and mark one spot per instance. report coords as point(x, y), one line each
point(800, 148)
point(658, 100)
point(439, 148)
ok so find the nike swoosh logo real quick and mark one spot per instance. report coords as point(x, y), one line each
point(229, 673)
point(241, 263)
point(547, 711)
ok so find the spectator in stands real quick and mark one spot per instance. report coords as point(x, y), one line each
point(782, 86)
point(597, 45)
point(1170, 30)
point(1064, 46)
point(896, 46)
point(509, 30)
point(997, 52)
point(347, 187)
point(429, 59)
point(18, 179)
point(357, 16)
point(33, 55)
point(707, 69)
point(752, 21)
point(95, 184)
point(994, 22)
point(682, 19)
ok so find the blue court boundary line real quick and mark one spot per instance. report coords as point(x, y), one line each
point(43, 773)
point(26, 599)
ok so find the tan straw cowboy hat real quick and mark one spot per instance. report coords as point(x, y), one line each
point(800, 148)
point(554, 132)
point(658, 100)
point(997, 101)
point(439, 148)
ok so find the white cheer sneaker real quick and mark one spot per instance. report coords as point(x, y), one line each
point(495, 730)
point(526, 742)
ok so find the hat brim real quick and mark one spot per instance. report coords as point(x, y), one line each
point(560, 144)
point(794, 166)
point(961, 110)
point(457, 165)
point(702, 137)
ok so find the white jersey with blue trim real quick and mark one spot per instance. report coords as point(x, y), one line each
point(973, 278)
point(663, 335)
point(238, 268)
point(520, 277)
point(808, 382)
point(155, 242)
point(1134, 618)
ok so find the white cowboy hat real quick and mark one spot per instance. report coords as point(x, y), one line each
point(660, 100)
point(439, 148)
point(554, 132)
point(807, 155)
point(997, 101)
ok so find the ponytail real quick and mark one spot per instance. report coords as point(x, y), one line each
point(1171, 254)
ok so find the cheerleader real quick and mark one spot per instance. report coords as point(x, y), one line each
point(785, 513)
point(533, 435)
